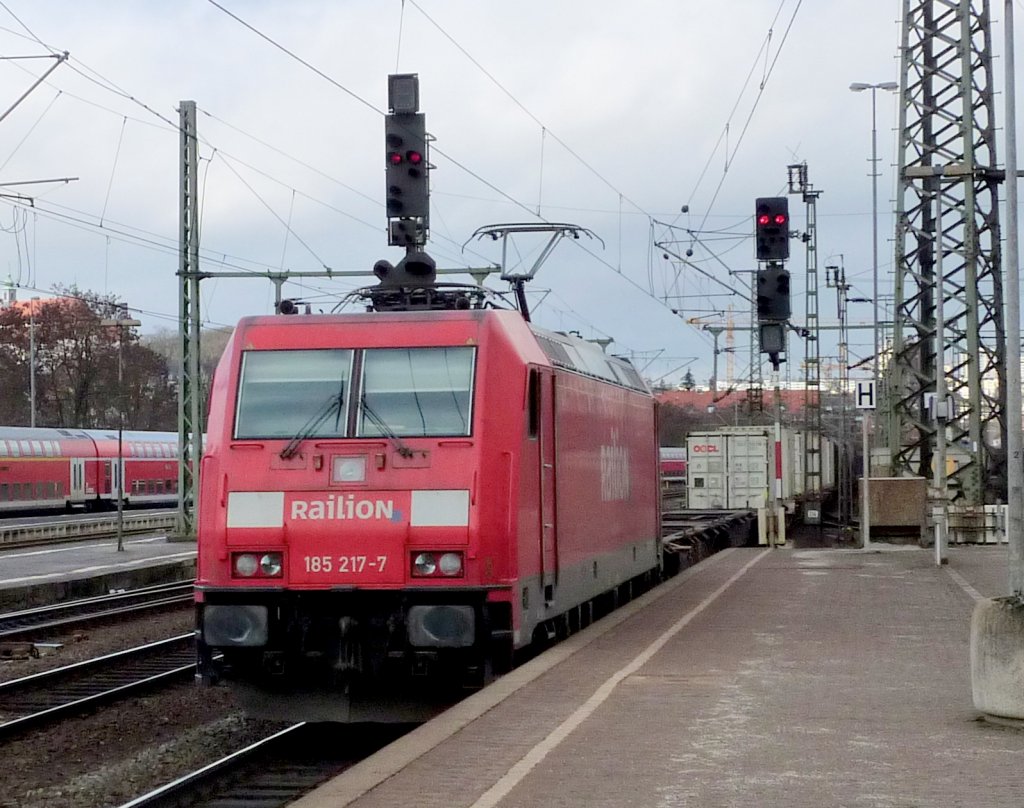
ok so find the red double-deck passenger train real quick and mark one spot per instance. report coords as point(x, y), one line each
point(394, 503)
point(51, 469)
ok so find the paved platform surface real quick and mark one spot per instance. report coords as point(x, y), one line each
point(758, 678)
point(39, 575)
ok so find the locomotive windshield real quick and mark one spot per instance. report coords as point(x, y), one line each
point(282, 394)
point(409, 392)
point(416, 392)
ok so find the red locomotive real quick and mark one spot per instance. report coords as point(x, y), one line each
point(50, 469)
point(394, 503)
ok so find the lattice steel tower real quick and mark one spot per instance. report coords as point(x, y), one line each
point(947, 240)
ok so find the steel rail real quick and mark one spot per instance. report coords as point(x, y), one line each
point(87, 610)
point(43, 696)
point(272, 772)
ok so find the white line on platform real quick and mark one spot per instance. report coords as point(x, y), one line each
point(515, 775)
point(964, 585)
point(65, 548)
point(137, 562)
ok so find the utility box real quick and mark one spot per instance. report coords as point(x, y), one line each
point(898, 508)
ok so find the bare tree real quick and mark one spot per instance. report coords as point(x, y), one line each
point(76, 367)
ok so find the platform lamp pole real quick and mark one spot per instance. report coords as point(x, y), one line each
point(1014, 437)
point(120, 324)
point(33, 304)
point(857, 87)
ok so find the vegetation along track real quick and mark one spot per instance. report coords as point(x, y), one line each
point(275, 771)
point(55, 693)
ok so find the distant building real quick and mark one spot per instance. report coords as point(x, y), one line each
point(701, 400)
point(8, 293)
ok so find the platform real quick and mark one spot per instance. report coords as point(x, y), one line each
point(37, 576)
point(776, 677)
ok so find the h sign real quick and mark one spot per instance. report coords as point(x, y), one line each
point(865, 398)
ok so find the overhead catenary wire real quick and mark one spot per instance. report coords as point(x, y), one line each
point(112, 87)
point(611, 265)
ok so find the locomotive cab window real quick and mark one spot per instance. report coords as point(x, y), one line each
point(416, 392)
point(283, 393)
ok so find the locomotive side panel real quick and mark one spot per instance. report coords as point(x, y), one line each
point(607, 486)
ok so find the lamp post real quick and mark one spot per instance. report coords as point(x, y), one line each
point(120, 324)
point(1014, 437)
point(32, 360)
point(858, 87)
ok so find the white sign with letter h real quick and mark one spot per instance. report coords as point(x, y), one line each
point(865, 398)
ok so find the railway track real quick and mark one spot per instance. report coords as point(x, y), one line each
point(62, 616)
point(51, 694)
point(275, 771)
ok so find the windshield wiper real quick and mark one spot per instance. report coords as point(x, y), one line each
point(334, 405)
point(385, 430)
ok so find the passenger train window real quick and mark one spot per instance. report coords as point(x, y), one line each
point(416, 392)
point(284, 393)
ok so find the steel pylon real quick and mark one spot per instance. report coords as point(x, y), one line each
point(947, 216)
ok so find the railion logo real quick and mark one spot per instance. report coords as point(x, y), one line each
point(706, 448)
point(615, 482)
point(345, 507)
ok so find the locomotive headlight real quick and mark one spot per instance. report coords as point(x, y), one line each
point(348, 469)
point(246, 564)
point(270, 565)
point(450, 564)
point(424, 564)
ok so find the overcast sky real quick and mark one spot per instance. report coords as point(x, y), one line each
point(609, 115)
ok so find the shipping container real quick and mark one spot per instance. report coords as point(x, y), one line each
point(737, 467)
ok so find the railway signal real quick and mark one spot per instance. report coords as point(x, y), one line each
point(771, 228)
point(407, 163)
point(406, 142)
point(773, 294)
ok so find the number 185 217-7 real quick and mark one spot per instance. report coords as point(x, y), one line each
point(344, 564)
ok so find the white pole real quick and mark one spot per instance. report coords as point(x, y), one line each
point(118, 478)
point(32, 360)
point(940, 385)
point(865, 507)
point(1014, 441)
point(120, 436)
point(874, 250)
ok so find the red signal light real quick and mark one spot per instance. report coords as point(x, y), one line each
point(764, 218)
point(414, 157)
point(394, 158)
point(779, 218)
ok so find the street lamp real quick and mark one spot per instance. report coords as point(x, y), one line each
point(120, 324)
point(32, 304)
point(858, 87)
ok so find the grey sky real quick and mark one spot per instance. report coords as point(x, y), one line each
point(658, 102)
